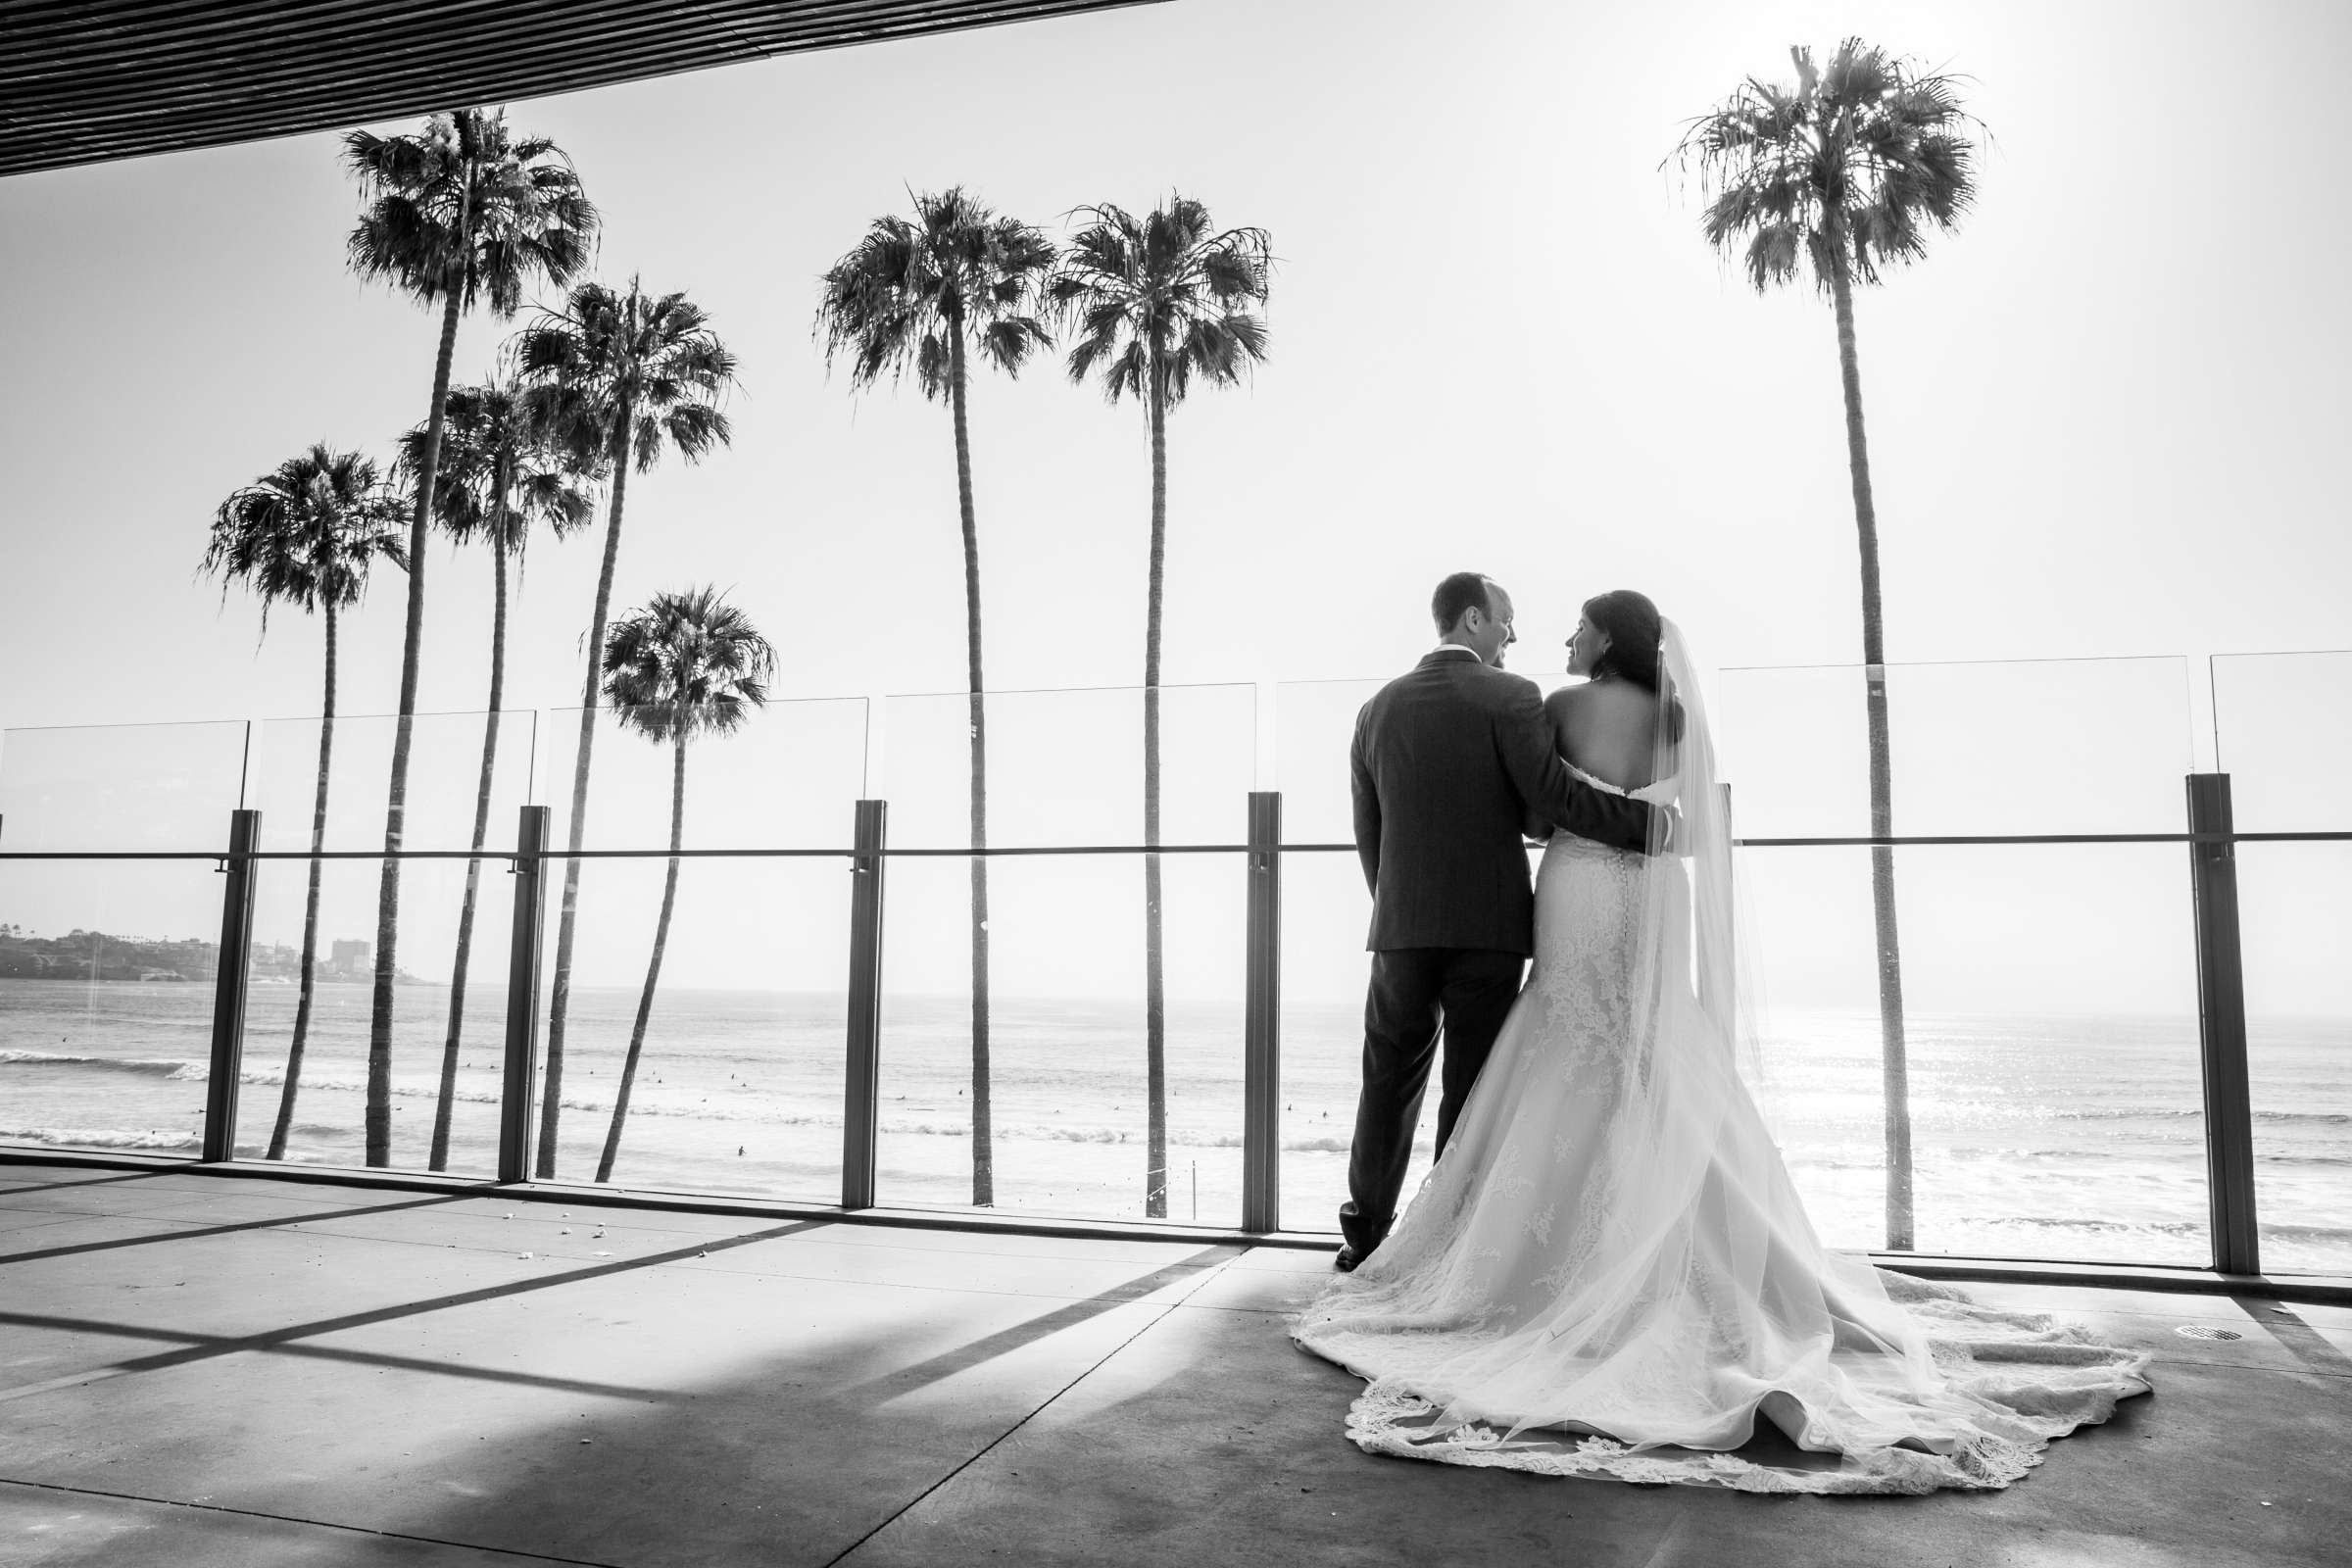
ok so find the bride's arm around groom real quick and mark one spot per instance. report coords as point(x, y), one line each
point(1451, 763)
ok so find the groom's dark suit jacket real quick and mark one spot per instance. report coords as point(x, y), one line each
point(1449, 762)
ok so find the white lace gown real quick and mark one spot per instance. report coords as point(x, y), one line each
point(1610, 1272)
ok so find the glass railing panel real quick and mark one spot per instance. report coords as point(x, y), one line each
point(788, 778)
point(2051, 1032)
point(2074, 746)
point(1066, 1018)
point(444, 787)
point(2283, 733)
point(2282, 730)
point(324, 1120)
point(107, 972)
point(450, 909)
point(1067, 1080)
point(739, 1079)
point(1314, 726)
point(2065, 746)
point(1066, 768)
point(1325, 912)
point(121, 787)
point(2295, 913)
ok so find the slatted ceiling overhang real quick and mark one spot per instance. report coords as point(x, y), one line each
point(82, 83)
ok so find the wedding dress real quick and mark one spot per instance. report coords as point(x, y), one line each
point(1610, 1272)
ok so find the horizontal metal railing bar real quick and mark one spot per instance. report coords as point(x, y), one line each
point(484, 853)
point(1899, 840)
point(993, 850)
point(612, 855)
point(1892, 841)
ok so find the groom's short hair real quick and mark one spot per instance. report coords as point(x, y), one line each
point(1460, 594)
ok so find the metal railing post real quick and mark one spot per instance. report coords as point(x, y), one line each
point(227, 1067)
point(2222, 1028)
point(519, 1097)
point(1261, 1028)
point(862, 1097)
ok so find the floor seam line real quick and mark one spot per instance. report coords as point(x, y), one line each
point(738, 1273)
point(496, 1251)
point(2241, 1366)
point(1047, 1403)
point(317, 1524)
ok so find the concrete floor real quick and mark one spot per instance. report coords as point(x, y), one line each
point(198, 1370)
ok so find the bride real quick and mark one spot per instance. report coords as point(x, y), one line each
point(1609, 1273)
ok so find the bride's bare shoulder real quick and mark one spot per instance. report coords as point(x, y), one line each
point(1567, 699)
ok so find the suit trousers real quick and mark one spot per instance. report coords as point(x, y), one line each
point(1417, 993)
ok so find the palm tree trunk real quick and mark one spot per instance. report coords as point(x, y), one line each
point(984, 1157)
point(446, 1104)
point(1156, 1000)
point(396, 795)
point(653, 969)
point(558, 1005)
point(1896, 1065)
point(310, 908)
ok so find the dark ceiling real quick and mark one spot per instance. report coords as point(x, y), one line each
point(82, 83)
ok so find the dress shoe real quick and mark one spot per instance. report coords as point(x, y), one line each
point(1347, 1260)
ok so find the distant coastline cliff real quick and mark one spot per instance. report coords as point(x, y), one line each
point(81, 954)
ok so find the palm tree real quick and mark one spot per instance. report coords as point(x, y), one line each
point(1840, 175)
point(498, 475)
point(687, 664)
point(306, 534)
point(619, 378)
point(460, 214)
point(1156, 302)
point(920, 294)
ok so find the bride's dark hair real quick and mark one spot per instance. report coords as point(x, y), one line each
point(1636, 629)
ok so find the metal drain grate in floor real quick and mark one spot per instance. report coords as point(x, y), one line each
point(2202, 1331)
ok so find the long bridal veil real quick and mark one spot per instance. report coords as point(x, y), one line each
point(1609, 1271)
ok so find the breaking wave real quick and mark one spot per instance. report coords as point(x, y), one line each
point(100, 1137)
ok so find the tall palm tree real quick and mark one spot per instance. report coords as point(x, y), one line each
point(306, 534)
point(1155, 302)
point(619, 376)
point(460, 214)
point(1836, 177)
point(498, 475)
point(920, 294)
point(687, 664)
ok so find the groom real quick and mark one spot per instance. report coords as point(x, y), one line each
point(1450, 761)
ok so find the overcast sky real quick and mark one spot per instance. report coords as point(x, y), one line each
point(2106, 417)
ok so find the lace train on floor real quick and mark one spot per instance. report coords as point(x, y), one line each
point(2021, 1380)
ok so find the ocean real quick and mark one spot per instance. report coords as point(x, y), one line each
point(2035, 1136)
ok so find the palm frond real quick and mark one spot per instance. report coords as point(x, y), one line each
point(1151, 301)
point(306, 533)
point(914, 289)
point(625, 373)
point(1848, 170)
point(686, 664)
point(464, 206)
point(501, 468)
